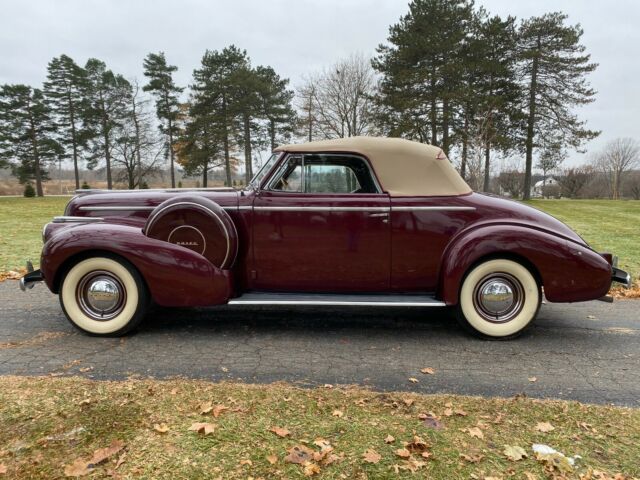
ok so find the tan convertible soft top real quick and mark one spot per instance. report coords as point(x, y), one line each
point(404, 168)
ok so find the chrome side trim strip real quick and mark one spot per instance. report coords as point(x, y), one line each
point(68, 219)
point(116, 208)
point(322, 209)
point(168, 190)
point(432, 209)
point(239, 301)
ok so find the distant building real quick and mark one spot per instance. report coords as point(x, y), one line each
point(538, 187)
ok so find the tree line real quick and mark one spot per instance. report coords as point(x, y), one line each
point(450, 74)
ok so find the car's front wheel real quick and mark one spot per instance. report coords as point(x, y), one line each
point(103, 296)
point(499, 298)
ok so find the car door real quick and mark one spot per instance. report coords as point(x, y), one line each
point(321, 224)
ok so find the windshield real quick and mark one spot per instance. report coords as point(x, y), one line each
point(257, 178)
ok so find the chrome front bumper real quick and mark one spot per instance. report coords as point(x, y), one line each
point(31, 278)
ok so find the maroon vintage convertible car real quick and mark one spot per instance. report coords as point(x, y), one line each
point(359, 221)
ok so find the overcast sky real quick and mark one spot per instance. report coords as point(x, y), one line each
point(295, 37)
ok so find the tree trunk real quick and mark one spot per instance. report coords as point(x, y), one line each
point(445, 126)
point(227, 159)
point(74, 141)
point(205, 175)
point(465, 145)
point(487, 162)
point(171, 154)
point(434, 127)
point(36, 157)
point(272, 134)
point(248, 170)
point(136, 125)
point(530, 125)
point(105, 135)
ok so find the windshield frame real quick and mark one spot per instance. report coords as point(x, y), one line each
point(263, 173)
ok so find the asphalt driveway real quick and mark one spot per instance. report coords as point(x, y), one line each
point(588, 352)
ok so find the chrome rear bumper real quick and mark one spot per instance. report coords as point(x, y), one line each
point(620, 276)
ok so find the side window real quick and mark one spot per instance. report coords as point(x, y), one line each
point(337, 174)
point(289, 177)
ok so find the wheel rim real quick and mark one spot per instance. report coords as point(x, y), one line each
point(101, 295)
point(498, 297)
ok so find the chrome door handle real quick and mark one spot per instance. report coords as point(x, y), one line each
point(384, 214)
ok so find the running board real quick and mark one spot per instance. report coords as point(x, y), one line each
point(265, 298)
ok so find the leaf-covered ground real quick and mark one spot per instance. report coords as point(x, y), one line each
point(53, 427)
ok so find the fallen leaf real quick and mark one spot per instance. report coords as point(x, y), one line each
point(246, 462)
point(78, 468)
point(475, 432)
point(337, 413)
point(555, 461)
point(530, 476)
point(544, 427)
point(161, 427)
point(173, 391)
point(371, 456)
point(272, 459)
point(413, 380)
point(448, 412)
point(299, 454)
point(533, 379)
point(279, 431)
point(514, 452)
point(460, 412)
point(203, 428)
point(218, 409)
point(472, 457)
point(3, 469)
point(205, 407)
point(102, 454)
point(403, 453)
point(408, 401)
point(418, 445)
point(428, 371)
point(389, 439)
point(310, 469)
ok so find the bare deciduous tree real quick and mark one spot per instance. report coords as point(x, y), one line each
point(618, 157)
point(339, 101)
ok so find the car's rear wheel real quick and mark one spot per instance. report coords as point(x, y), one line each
point(499, 298)
point(104, 296)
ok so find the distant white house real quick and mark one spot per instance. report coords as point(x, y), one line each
point(538, 187)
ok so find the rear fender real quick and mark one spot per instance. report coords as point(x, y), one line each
point(175, 276)
point(569, 272)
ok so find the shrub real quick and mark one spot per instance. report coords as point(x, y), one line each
point(180, 184)
point(144, 185)
point(85, 185)
point(29, 191)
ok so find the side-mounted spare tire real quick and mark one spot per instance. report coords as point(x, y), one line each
point(198, 224)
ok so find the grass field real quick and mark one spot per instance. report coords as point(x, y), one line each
point(607, 225)
point(148, 429)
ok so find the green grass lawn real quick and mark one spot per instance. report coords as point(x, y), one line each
point(21, 222)
point(607, 225)
point(53, 426)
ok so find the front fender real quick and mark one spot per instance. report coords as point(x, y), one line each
point(568, 271)
point(176, 276)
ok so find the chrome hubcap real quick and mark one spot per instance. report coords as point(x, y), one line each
point(498, 297)
point(100, 295)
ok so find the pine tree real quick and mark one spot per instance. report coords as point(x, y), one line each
point(65, 91)
point(107, 98)
point(167, 95)
point(553, 68)
point(216, 91)
point(421, 70)
point(26, 134)
point(276, 105)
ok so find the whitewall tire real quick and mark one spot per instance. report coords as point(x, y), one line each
point(499, 298)
point(103, 296)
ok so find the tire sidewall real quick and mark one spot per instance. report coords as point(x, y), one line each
point(133, 309)
point(517, 324)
